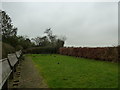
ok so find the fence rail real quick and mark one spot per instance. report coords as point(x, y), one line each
point(18, 53)
point(7, 66)
point(12, 59)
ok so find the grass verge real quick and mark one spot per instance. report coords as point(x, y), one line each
point(70, 72)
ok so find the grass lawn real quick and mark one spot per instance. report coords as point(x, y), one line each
point(70, 72)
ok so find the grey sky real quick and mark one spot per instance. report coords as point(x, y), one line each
point(84, 24)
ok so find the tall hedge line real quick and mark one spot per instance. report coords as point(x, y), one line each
point(103, 53)
point(41, 50)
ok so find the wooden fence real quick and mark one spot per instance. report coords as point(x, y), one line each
point(7, 67)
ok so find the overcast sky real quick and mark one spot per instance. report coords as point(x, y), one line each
point(84, 24)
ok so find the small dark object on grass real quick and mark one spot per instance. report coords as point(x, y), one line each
point(58, 63)
point(65, 79)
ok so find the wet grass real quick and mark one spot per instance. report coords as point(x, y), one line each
point(70, 72)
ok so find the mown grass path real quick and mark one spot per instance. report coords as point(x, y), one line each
point(70, 72)
point(30, 76)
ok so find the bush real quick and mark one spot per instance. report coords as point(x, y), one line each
point(7, 49)
point(18, 47)
point(40, 50)
point(105, 53)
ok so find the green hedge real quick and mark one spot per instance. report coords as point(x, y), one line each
point(7, 49)
point(41, 50)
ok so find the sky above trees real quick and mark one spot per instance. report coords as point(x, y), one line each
point(84, 24)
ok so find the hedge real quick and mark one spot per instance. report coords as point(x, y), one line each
point(7, 49)
point(41, 50)
point(99, 53)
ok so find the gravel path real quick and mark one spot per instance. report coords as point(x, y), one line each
point(29, 76)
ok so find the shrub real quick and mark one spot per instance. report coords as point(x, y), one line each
point(7, 49)
point(18, 47)
point(105, 53)
point(41, 50)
